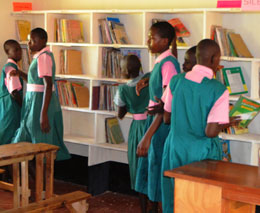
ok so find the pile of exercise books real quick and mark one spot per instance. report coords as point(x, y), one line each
point(67, 30)
point(112, 31)
point(230, 43)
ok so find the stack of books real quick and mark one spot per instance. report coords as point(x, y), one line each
point(112, 31)
point(230, 43)
point(72, 94)
point(67, 30)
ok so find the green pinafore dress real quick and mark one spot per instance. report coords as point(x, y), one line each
point(148, 174)
point(136, 105)
point(10, 111)
point(30, 129)
point(187, 141)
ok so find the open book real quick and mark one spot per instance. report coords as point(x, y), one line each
point(247, 109)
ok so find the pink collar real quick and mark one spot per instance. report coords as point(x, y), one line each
point(163, 55)
point(9, 60)
point(199, 72)
point(41, 51)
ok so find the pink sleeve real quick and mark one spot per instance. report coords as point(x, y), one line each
point(167, 99)
point(44, 65)
point(12, 83)
point(168, 70)
point(219, 113)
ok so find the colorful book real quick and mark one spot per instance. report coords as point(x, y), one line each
point(234, 80)
point(247, 109)
point(120, 33)
point(180, 29)
point(114, 132)
point(23, 29)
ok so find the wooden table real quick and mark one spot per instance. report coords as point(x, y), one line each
point(20, 154)
point(216, 186)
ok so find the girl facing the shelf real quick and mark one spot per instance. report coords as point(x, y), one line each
point(194, 130)
point(11, 93)
point(41, 112)
point(160, 37)
point(127, 101)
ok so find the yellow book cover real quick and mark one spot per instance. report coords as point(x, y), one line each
point(23, 29)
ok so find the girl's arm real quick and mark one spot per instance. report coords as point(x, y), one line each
point(121, 112)
point(213, 129)
point(167, 117)
point(23, 75)
point(144, 144)
point(44, 120)
point(20, 73)
point(17, 97)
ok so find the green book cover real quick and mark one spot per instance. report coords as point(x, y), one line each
point(246, 108)
point(114, 132)
point(234, 80)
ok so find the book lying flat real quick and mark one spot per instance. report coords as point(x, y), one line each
point(247, 109)
point(234, 80)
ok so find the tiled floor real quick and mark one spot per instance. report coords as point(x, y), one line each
point(108, 202)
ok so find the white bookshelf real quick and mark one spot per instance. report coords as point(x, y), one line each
point(84, 128)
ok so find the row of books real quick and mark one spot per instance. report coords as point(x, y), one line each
point(70, 62)
point(113, 131)
point(233, 79)
point(230, 43)
point(72, 94)
point(68, 30)
point(111, 58)
point(112, 31)
point(103, 97)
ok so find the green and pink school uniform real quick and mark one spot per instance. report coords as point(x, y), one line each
point(43, 64)
point(148, 180)
point(136, 105)
point(194, 99)
point(10, 111)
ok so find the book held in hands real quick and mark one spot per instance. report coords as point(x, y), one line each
point(246, 109)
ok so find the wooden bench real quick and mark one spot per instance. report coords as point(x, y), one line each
point(216, 186)
point(74, 202)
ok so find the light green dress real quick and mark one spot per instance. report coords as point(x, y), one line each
point(30, 129)
point(10, 111)
point(126, 96)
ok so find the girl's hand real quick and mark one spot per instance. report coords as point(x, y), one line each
point(157, 108)
point(140, 85)
point(143, 147)
point(14, 73)
point(44, 122)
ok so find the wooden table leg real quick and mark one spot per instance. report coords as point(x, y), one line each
point(16, 182)
point(25, 181)
point(50, 157)
point(39, 177)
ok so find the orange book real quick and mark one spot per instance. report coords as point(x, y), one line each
point(23, 29)
point(75, 31)
point(73, 62)
point(180, 29)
